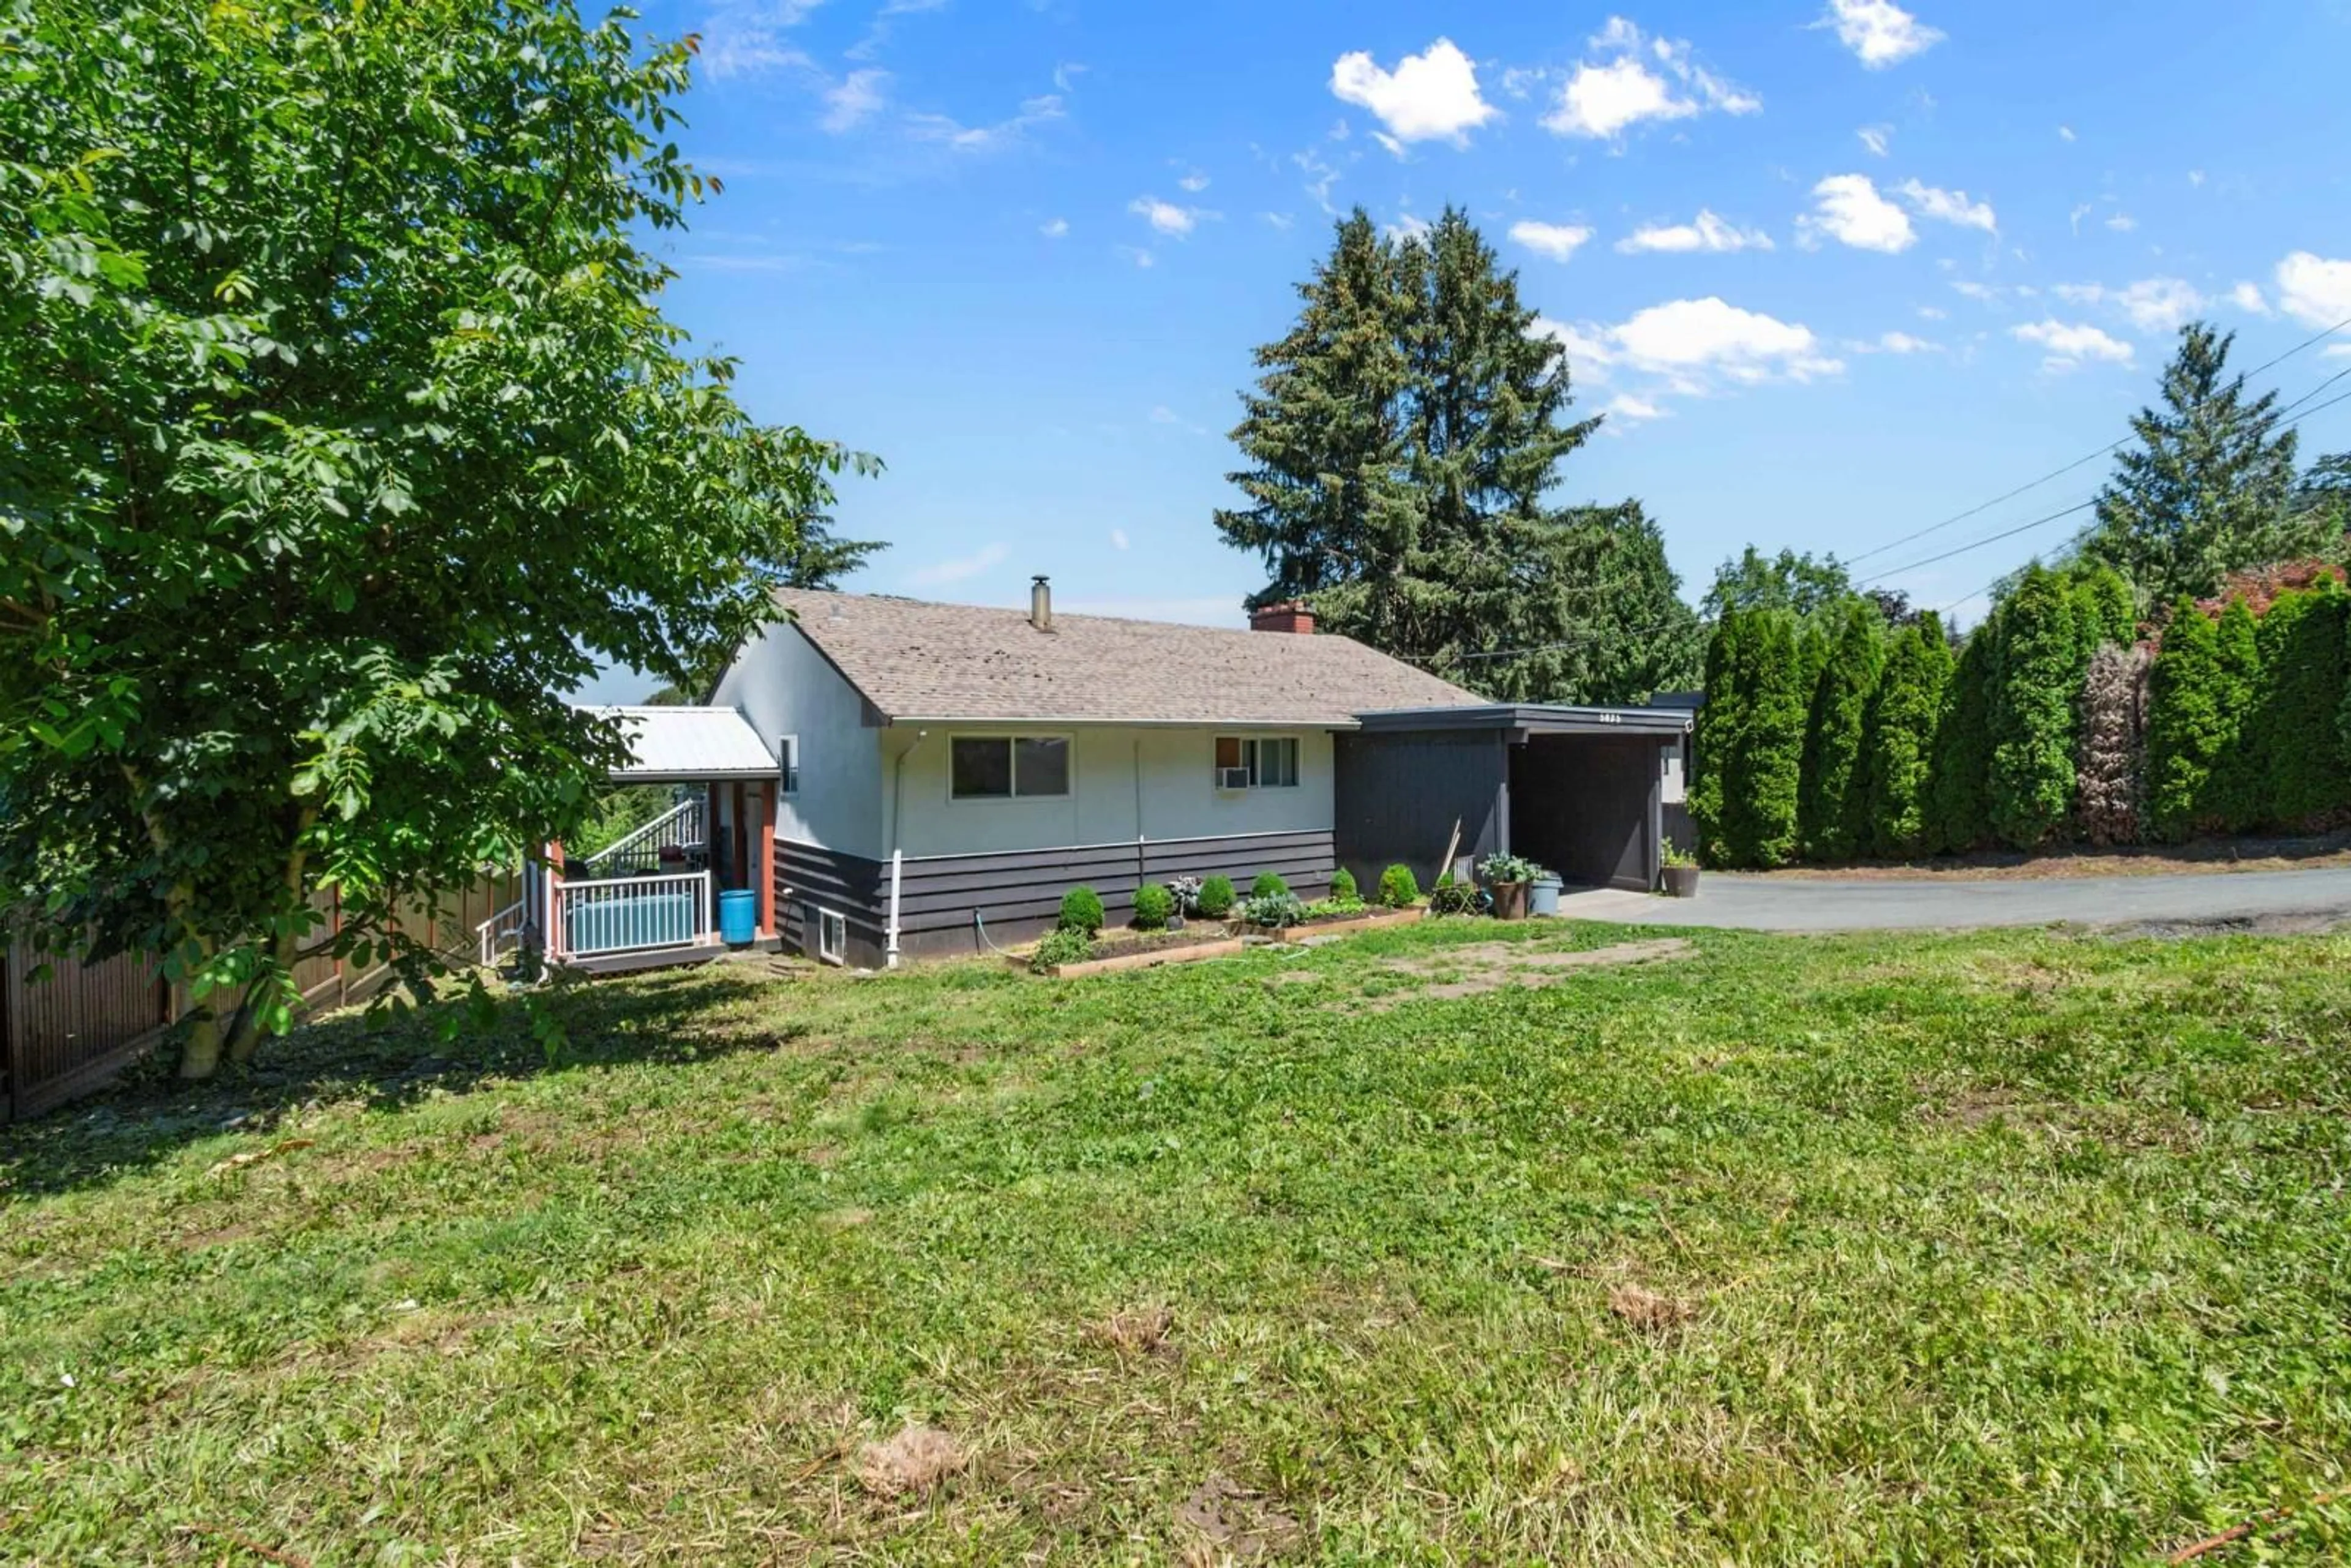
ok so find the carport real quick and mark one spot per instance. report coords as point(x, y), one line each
point(1576, 790)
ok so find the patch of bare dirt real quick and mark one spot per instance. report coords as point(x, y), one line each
point(1494, 966)
point(916, 1460)
point(2321, 923)
point(2208, 856)
point(1230, 1523)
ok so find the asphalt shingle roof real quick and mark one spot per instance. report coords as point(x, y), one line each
point(914, 660)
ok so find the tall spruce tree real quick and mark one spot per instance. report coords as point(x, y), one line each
point(2033, 711)
point(1404, 439)
point(2210, 486)
point(1831, 820)
point(1898, 738)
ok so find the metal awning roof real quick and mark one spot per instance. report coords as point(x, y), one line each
point(689, 745)
point(1536, 718)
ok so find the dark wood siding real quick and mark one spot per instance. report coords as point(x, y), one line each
point(943, 900)
point(1399, 794)
point(1586, 807)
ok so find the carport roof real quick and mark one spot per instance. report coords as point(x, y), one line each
point(689, 745)
point(1535, 718)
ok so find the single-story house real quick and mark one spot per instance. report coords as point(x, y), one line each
point(938, 776)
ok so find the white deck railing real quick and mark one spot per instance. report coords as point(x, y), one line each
point(679, 828)
point(633, 913)
point(500, 932)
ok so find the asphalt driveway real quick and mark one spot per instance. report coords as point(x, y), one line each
point(2281, 899)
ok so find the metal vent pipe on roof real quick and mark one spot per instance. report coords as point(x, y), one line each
point(1040, 603)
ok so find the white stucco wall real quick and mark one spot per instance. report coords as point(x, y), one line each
point(1178, 797)
point(784, 686)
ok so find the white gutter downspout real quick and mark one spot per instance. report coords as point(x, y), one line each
point(1141, 855)
point(897, 855)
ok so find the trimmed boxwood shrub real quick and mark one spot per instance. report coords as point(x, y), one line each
point(1081, 910)
point(1342, 887)
point(1268, 885)
point(1152, 905)
point(1399, 889)
point(1217, 898)
point(1065, 946)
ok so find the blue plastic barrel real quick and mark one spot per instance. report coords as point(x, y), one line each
point(1542, 896)
point(738, 915)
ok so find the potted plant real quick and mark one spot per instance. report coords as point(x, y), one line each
point(1506, 877)
point(1680, 873)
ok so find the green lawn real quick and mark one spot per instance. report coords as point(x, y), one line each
point(2019, 1248)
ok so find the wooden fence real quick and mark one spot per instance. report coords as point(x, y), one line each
point(65, 1035)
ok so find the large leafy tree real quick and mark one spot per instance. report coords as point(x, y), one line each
point(1404, 441)
point(1805, 583)
point(340, 434)
point(2209, 487)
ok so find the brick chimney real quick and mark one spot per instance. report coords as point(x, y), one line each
point(1289, 615)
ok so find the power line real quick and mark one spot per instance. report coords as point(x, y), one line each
point(1979, 544)
point(2093, 458)
point(2287, 424)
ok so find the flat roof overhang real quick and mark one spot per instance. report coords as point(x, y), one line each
point(1534, 718)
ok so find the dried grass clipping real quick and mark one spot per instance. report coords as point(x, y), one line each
point(1645, 1310)
point(915, 1460)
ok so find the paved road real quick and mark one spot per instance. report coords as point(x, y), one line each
point(1769, 904)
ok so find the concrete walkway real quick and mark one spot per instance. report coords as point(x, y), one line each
point(1771, 904)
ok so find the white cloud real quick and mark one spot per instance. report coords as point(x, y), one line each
point(1429, 97)
point(1279, 220)
point(1898, 343)
point(2196, 176)
point(1193, 181)
point(2069, 346)
point(1876, 138)
point(2336, 351)
point(1984, 293)
point(1406, 226)
point(2151, 305)
point(2122, 223)
point(1321, 177)
point(1033, 112)
point(1933, 313)
point(1137, 254)
point(853, 99)
point(939, 573)
point(745, 38)
point(1166, 216)
point(1556, 241)
point(1948, 206)
point(1603, 100)
point(1626, 406)
point(1691, 344)
point(1118, 539)
point(2247, 296)
point(1849, 210)
point(1055, 228)
point(1878, 32)
point(1706, 232)
point(2065, 133)
point(2314, 290)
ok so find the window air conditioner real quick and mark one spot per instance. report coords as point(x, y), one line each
point(1232, 779)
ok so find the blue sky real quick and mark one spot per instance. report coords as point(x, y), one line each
point(1836, 269)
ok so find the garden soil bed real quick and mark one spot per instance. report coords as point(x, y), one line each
point(1215, 942)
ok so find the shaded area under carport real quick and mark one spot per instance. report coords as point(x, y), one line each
point(1576, 790)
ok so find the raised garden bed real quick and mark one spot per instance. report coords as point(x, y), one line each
point(1217, 941)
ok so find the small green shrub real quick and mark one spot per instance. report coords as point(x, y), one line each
point(1064, 944)
point(1268, 885)
point(1152, 905)
point(1081, 910)
point(1506, 868)
point(1673, 856)
point(1342, 887)
point(1451, 897)
point(1215, 900)
point(1273, 911)
point(1399, 889)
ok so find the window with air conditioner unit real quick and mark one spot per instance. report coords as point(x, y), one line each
point(1257, 762)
